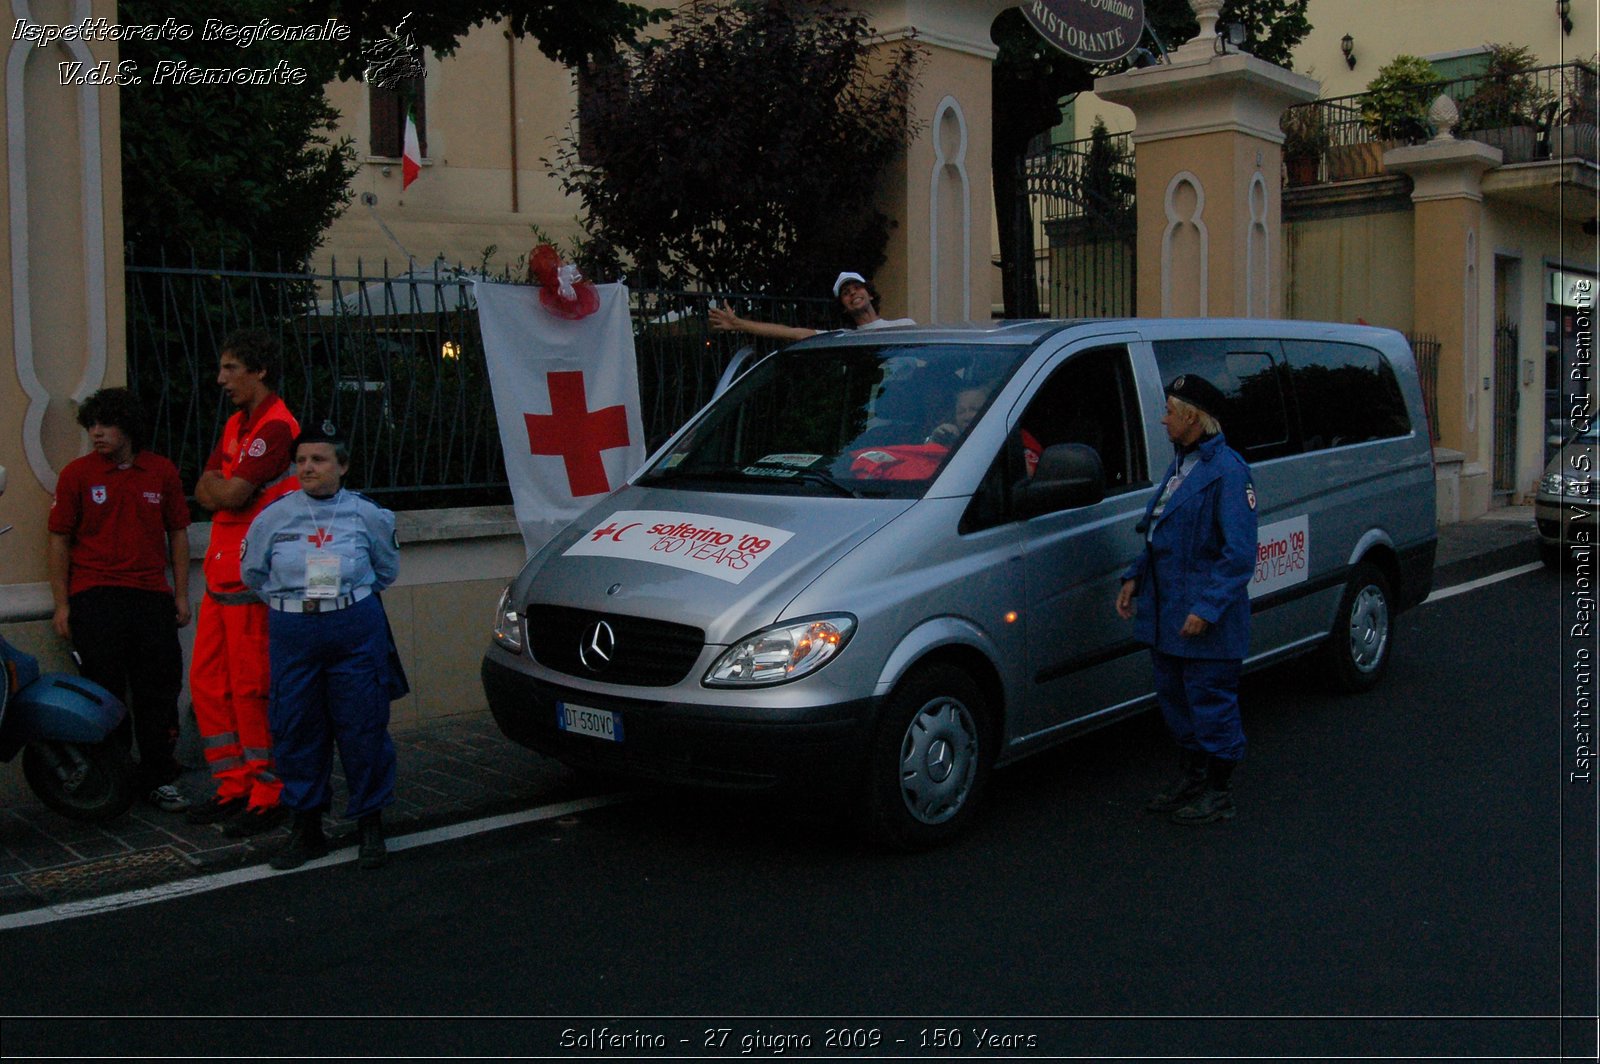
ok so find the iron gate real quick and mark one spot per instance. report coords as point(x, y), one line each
point(1079, 227)
point(1506, 399)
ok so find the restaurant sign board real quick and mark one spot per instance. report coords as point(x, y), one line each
point(1096, 31)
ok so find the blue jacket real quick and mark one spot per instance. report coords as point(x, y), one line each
point(1199, 558)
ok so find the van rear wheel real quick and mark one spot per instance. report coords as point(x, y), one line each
point(929, 760)
point(1358, 649)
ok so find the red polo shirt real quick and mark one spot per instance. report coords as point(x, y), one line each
point(118, 518)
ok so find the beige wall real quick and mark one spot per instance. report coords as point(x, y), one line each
point(464, 200)
point(1383, 29)
point(1351, 268)
point(62, 266)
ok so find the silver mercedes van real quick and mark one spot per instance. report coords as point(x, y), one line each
point(881, 564)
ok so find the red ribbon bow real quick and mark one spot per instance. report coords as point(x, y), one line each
point(562, 289)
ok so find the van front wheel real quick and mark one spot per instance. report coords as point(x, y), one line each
point(1358, 649)
point(930, 759)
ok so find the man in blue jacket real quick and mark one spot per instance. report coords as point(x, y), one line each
point(1187, 594)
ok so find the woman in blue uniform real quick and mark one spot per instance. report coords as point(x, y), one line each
point(318, 557)
point(1188, 595)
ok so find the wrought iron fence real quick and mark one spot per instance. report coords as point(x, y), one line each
point(1078, 227)
point(396, 361)
point(1543, 112)
point(1425, 347)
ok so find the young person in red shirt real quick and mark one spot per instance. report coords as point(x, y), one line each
point(118, 521)
point(229, 676)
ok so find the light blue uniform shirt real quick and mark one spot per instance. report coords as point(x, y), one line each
point(349, 525)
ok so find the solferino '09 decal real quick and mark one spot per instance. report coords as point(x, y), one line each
point(712, 546)
point(1283, 555)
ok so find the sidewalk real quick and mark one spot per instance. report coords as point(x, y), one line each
point(450, 771)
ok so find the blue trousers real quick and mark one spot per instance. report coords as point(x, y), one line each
point(1199, 698)
point(329, 676)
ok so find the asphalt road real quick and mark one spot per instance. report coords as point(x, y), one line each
point(1393, 885)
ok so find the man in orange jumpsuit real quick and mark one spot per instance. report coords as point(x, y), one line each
point(229, 672)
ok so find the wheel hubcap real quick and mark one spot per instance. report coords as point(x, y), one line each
point(938, 760)
point(1369, 628)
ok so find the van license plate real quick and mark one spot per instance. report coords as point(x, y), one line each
point(581, 720)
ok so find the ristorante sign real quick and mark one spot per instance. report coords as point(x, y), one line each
point(1096, 31)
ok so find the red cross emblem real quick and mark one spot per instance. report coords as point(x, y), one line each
point(577, 433)
point(320, 539)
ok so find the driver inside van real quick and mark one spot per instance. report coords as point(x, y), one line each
point(920, 461)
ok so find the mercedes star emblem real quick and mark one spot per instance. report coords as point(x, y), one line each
point(597, 646)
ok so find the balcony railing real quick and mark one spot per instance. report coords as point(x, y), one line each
point(1542, 113)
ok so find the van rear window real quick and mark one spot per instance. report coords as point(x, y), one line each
point(1347, 394)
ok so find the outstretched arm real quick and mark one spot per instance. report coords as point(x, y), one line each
point(723, 319)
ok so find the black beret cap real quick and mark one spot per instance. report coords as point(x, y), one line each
point(327, 432)
point(1198, 393)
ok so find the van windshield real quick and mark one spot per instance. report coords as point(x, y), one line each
point(863, 421)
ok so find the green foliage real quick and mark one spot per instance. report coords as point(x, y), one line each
point(1506, 93)
point(743, 150)
point(1305, 132)
point(1106, 182)
point(1396, 103)
point(224, 169)
point(1581, 105)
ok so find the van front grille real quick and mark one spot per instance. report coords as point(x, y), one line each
point(612, 647)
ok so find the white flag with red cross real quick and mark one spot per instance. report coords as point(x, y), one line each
point(566, 394)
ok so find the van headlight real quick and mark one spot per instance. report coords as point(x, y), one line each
point(508, 624)
point(781, 653)
point(1569, 485)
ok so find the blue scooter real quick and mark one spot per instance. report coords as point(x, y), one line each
point(63, 727)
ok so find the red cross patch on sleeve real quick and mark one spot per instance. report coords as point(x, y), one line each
point(1250, 495)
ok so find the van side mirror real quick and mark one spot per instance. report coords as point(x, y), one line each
point(1069, 475)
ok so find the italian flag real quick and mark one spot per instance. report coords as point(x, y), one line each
point(411, 160)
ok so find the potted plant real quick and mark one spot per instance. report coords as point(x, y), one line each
point(1576, 133)
point(1395, 108)
point(1508, 105)
point(1306, 139)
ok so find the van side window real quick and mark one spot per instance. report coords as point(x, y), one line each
point(1091, 400)
point(1346, 394)
point(1250, 376)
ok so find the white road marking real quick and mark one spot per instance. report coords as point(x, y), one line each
point(1485, 581)
point(217, 881)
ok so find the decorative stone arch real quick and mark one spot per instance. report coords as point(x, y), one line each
point(44, 121)
point(1258, 250)
point(949, 214)
point(1185, 245)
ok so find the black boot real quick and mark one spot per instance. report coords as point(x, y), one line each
point(373, 852)
point(306, 841)
point(1190, 782)
point(1215, 801)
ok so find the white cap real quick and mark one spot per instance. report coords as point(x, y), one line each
point(843, 278)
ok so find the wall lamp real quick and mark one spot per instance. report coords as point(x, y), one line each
point(1347, 45)
point(1228, 33)
point(1564, 12)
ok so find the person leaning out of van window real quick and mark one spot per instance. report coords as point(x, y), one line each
point(1188, 595)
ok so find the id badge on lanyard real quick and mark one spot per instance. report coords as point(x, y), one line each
point(322, 574)
point(322, 566)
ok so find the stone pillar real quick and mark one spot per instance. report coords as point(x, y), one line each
point(940, 193)
point(1208, 155)
point(1447, 179)
point(61, 260)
